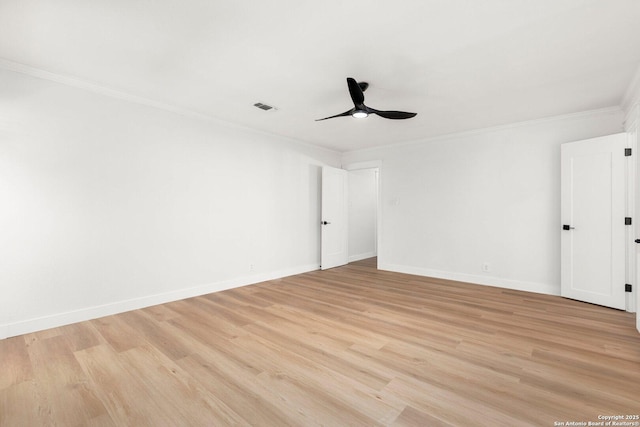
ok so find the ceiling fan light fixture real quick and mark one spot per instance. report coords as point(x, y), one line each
point(360, 111)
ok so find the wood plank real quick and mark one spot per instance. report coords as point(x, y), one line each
point(20, 405)
point(346, 346)
point(411, 417)
point(14, 362)
point(62, 395)
point(125, 397)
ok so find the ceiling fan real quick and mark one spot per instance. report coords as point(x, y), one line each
point(360, 110)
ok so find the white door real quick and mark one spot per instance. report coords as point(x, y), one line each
point(334, 236)
point(593, 193)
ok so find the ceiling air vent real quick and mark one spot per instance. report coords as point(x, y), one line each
point(264, 107)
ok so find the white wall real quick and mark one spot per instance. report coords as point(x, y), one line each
point(363, 205)
point(451, 204)
point(107, 205)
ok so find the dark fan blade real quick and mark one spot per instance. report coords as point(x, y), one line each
point(395, 115)
point(356, 92)
point(346, 113)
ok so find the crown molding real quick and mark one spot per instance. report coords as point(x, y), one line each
point(140, 100)
point(632, 94)
point(632, 117)
point(481, 131)
point(92, 87)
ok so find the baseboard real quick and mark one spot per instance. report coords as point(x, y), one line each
point(539, 288)
point(354, 258)
point(60, 319)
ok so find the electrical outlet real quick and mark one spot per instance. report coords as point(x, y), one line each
point(486, 267)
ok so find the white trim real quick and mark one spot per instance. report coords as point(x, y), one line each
point(88, 313)
point(481, 131)
point(540, 288)
point(354, 258)
point(632, 94)
point(631, 118)
point(91, 87)
point(6, 64)
point(630, 231)
point(140, 100)
point(374, 164)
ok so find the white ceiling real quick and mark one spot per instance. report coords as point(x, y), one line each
point(460, 64)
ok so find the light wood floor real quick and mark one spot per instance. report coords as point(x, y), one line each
point(348, 346)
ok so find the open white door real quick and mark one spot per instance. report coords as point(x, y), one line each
point(334, 235)
point(593, 194)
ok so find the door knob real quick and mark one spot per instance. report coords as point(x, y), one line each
point(325, 222)
point(567, 227)
point(637, 240)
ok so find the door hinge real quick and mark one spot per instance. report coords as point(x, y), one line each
point(628, 288)
point(627, 152)
point(627, 220)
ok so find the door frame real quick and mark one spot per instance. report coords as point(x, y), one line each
point(373, 164)
point(631, 249)
point(632, 127)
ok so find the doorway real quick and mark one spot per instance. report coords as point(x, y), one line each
point(351, 214)
point(363, 214)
